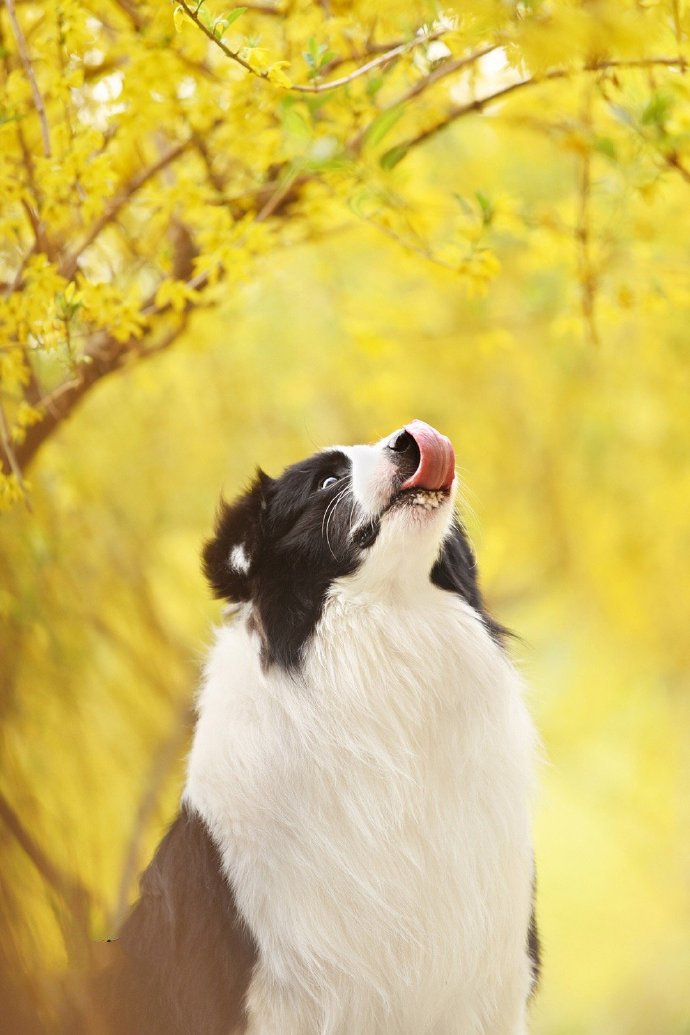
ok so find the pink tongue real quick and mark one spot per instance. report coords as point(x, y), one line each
point(436, 468)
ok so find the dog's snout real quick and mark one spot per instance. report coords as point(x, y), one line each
point(401, 441)
point(425, 457)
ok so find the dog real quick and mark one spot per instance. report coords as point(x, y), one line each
point(353, 853)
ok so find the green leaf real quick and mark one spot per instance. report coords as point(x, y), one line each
point(374, 85)
point(295, 123)
point(383, 124)
point(605, 146)
point(464, 204)
point(486, 207)
point(178, 18)
point(657, 110)
point(390, 158)
point(233, 16)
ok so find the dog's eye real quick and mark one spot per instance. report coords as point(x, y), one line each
point(329, 480)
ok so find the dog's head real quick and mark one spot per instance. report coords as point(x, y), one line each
point(378, 518)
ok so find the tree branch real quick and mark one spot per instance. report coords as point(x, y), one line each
point(232, 54)
point(389, 55)
point(478, 105)
point(10, 462)
point(446, 69)
point(68, 265)
point(588, 280)
point(29, 72)
point(165, 758)
point(74, 895)
point(105, 358)
point(382, 59)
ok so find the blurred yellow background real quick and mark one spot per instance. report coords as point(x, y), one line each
point(575, 464)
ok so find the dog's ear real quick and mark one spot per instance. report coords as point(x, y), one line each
point(231, 554)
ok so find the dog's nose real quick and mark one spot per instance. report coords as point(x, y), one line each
point(436, 463)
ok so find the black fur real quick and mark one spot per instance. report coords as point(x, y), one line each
point(456, 571)
point(281, 524)
point(297, 537)
point(183, 960)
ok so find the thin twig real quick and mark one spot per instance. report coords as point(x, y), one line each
point(130, 10)
point(369, 51)
point(232, 54)
point(478, 105)
point(11, 458)
point(165, 758)
point(68, 265)
point(674, 162)
point(280, 194)
point(26, 63)
point(382, 59)
point(588, 279)
point(68, 887)
point(446, 69)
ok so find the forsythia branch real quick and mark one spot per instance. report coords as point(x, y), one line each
point(388, 55)
point(68, 265)
point(382, 59)
point(232, 54)
point(588, 279)
point(29, 72)
point(477, 105)
point(11, 462)
point(446, 69)
point(75, 896)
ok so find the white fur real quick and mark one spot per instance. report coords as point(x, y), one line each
point(373, 812)
point(239, 559)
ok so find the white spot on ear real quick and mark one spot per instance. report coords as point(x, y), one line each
point(239, 559)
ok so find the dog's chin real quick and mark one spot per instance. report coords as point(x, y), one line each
point(407, 512)
point(418, 501)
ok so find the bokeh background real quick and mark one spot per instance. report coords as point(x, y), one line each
point(573, 449)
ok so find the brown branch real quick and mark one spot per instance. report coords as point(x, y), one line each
point(369, 51)
point(382, 59)
point(446, 69)
point(232, 54)
point(11, 463)
point(283, 191)
point(68, 264)
point(588, 279)
point(69, 889)
point(389, 55)
point(29, 72)
point(105, 358)
point(167, 755)
point(478, 105)
point(129, 8)
point(674, 162)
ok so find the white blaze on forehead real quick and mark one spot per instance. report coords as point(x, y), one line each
point(239, 560)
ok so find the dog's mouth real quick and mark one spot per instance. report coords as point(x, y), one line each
point(416, 500)
point(426, 499)
point(420, 463)
point(426, 462)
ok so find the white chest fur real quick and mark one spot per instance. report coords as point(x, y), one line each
point(373, 816)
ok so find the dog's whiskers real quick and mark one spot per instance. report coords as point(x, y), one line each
point(328, 515)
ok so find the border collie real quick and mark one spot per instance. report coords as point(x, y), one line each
point(353, 852)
